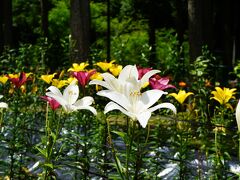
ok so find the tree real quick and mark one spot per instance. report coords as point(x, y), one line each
point(80, 30)
point(7, 23)
point(200, 26)
point(44, 17)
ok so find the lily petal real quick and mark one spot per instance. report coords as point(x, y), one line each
point(90, 108)
point(127, 72)
point(164, 105)
point(143, 118)
point(55, 90)
point(146, 76)
point(71, 93)
point(238, 115)
point(116, 97)
point(114, 106)
point(3, 105)
point(150, 97)
point(85, 101)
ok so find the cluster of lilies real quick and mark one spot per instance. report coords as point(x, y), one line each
point(125, 87)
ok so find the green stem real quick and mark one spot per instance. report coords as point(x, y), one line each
point(119, 169)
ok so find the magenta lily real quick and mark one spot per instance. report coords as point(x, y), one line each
point(19, 81)
point(160, 83)
point(83, 77)
point(142, 71)
point(52, 102)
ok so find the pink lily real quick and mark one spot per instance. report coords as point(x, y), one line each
point(160, 83)
point(142, 71)
point(83, 77)
point(52, 102)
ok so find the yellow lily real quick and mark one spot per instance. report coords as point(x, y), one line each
point(223, 95)
point(78, 67)
point(181, 96)
point(13, 75)
point(3, 79)
point(59, 83)
point(48, 78)
point(105, 65)
point(69, 80)
point(97, 75)
point(115, 69)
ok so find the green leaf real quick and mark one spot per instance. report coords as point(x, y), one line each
point(122, 135)
point(42, 151)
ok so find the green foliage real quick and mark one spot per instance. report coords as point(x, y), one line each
point(59, 20)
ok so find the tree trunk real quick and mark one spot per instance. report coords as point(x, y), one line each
point(200, 24)
point(195, 27)
point(7, 23)
point(80, 30)
point(44, 17)
point(1, 27)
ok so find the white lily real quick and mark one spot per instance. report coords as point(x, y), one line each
point(126, 81)
point(68, 99)
point(136, 105)
point(238, 115)
point(3, 104)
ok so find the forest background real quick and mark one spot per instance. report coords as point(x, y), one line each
point(165, 34)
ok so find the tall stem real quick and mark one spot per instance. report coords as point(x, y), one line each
point(119, 169)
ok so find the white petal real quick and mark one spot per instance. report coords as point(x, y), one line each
point(90, 108)
point(127, 72)
point(71, 93)
point(146, 76)
point(3, 105)
point(143, 118)
point(1, 96)
point(55, 90)
point(238, 115)
point(164, 105)
point(85, 101)
point(59, 99)
point(114, 106)
point(101, 83)
point(148, 98)
point(116, 97)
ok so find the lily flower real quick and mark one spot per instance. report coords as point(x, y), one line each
point(52, 102)
point(59, 83)
point(160, 83)
point(142, 71)
point(18, 80)
point(181, 96)
point(238, 115)
point(127, 80)
point(137, 105)
point(48, 77)
point(69, 98)
point(3, 104)
point(115, 69)
point(3, 79)
point(78, 67)
point(83, 77)
point(105, 65)
point(223, 95)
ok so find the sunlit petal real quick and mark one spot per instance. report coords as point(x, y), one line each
point(238, 115)
point(114, 106)
point(146, 76)
point(164, 105)
point(116, 97)
point(71, 93)
point(143, 118)
point(128, 71)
